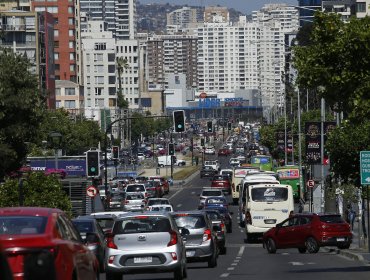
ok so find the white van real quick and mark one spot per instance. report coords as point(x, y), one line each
point(266, 205)
point(166, 161)
point(249, 180)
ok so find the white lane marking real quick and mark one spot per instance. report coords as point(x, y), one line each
point(230, 268)
point(179, 205)
point(237, 260)
point(234, 264)
point(311, 263)
point(176, 193)
point(224, 275)
point(296, 263)
point(285, 254)
point(241, 251)
point(241, 230)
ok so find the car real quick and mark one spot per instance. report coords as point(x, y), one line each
point(116, 200)
point(207, 171)
point(219, 225)
point(135, 188)
point(134, 202)
point(234, 162)
point(45, 240)
point(221, 182)
point(213, 163)
point(164, 183)
point(209, 151)
point(140, 156)
point(180, 162)
point(153, 189)
point(145, 242)
point(225, 214)
point(92, 233)
point(156, 201)
point(201, 240)
point(308, 232)
point(106, 219)
point(223, 152)
point(208, 192)
point(215, 201)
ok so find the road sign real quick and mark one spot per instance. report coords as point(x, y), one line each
point(91, 191)
point(365, 167)
point(310, 183)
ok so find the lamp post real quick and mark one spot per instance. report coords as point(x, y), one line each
point(55, 139)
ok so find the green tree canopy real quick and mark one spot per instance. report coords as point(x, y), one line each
point(21, 110)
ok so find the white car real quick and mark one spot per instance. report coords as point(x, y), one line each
point(213, 163)
point(207, 192)
point(210, 151)
point(140, 156)
point(180, 162)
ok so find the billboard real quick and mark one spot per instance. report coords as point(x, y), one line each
point(73, 167)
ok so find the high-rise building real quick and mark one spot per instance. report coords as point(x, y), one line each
point(172, 54)
point(184, 18)
point(307, 9)
point(362, 8)
point(345, 8)
point(216, 14)
point(31, 34)
point(119, 14)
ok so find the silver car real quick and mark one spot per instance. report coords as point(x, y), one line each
point(134, 202)
point(208, 192)
point(201, 238)
point(145, 242)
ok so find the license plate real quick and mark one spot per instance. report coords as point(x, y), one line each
point(190, 253)
point(143, 260)
point(341, 239)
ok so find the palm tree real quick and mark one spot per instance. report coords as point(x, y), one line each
point(121, 65)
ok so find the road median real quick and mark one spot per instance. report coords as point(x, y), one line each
point(185, 172)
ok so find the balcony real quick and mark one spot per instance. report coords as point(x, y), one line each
point(14, 27)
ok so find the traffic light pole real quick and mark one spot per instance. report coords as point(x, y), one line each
point(171, 158)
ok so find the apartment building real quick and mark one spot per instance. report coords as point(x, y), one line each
point(362, 8)
point(172, 54)
point(31, 34)
point(184, 18)
point(212, 14)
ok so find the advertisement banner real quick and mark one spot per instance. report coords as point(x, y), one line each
point(313, 142)
point(73, 167)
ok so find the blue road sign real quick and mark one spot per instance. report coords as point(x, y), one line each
point(365, 167)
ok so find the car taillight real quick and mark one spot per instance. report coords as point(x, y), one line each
point(207, 235)
point(173, 238)
point(248, 218)
point(110, 241)
point(146, 194)
point(222, 227)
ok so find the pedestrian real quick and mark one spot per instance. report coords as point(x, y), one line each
point(351, 215)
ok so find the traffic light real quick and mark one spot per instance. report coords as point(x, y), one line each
point(229, 126)
point(115, 151)
point(92, 163)
point(202, 142)
point(171, 149)
point(209, 126)
point(179, 121)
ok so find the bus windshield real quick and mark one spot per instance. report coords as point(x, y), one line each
point(269, 194)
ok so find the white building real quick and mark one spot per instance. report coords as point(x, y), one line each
point(227, 56)
point(362, 8)
point(183, 18)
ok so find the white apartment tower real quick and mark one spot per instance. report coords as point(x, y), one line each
point(227, 56)
point(184, 17)
point(274, 21)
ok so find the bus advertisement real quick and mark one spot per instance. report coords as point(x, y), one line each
point(289, 175)
point(263, 162)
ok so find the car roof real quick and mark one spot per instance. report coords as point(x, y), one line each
point(190, 212)
point(210, 189)
point(28, 211)
point(144, 213)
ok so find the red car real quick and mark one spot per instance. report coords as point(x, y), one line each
point(42, 243)
point(224, 152)
point(164, 183)
point(221, 182)
point(308, 232)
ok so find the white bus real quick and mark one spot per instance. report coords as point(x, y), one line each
point(266, 205)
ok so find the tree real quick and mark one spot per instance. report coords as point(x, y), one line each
point(122, 64)
point(38, 190)
point(21, 110)
point(338, 63)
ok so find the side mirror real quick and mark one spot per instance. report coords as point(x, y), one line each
point(91, 238)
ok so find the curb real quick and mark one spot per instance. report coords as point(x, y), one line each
point(187, 180)
point(346, 253)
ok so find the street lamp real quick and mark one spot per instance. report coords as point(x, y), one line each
point(55, 139)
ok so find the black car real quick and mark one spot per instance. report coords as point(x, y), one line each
point(225, 214)
point(207, 171)
point(92, 234)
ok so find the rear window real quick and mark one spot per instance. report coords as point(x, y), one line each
point(190, 221)
point(332, 219)
point(105, 223)
point(137, 196)
point(12, 225)
point(83, 227)
point(157, 202)
point(214, 215)
point(269, 194)
point(142, 224)
point(135, 188)
point(215, 200)
point(211, 193)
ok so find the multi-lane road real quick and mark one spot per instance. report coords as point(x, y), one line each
point(251, 261)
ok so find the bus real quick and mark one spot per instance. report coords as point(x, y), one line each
point(289, 175)
point(266, 205)
point(238, 175)
point(262, 161)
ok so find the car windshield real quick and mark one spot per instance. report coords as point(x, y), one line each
point(83, 226)
point(190, 221)
point(135, 188)
point(211, 193)
point(269, 194)
point(141, 224)
point(12, 225)
point(157, 202)
point(332, 219)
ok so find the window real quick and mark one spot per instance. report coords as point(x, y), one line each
point(57, 91)
point(99, 91)
point(71, 44)
point(98, 57)
point(58, 104)
point(39, 9)
point(56, 32)
point(99, 80)
point(56, 56)
point(112, 80)
point(361, 7)
point(72, 56)
point(100, 46)
point(70, 91)
point(70, 104)
point(72, 67)
point(71, 32)
point(111, 68)
point(99, 68)
point(71, 21)
point(111, 57)
point(112, 91)
point(52, 10)
point(70, 10)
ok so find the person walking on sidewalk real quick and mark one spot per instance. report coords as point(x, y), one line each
point(351, 215)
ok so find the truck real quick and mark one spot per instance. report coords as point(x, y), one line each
point(166, 161)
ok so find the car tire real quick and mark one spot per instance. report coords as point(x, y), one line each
point(178, 274)
point(302, 250)
point(212, 262)
point(270, 246)
point(312, 245)
point(113, 276)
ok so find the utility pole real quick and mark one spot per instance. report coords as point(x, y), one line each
point(322, 154)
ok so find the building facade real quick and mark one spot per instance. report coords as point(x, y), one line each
point(184, 18)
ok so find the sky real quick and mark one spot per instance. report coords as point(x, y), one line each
point(244, 6)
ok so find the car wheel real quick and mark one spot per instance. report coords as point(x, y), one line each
point(344, 246)
point(212, 262)
point(270, 246)
point(302, 250)
point(312, 245)
point(113, 276)
point(178, 273)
